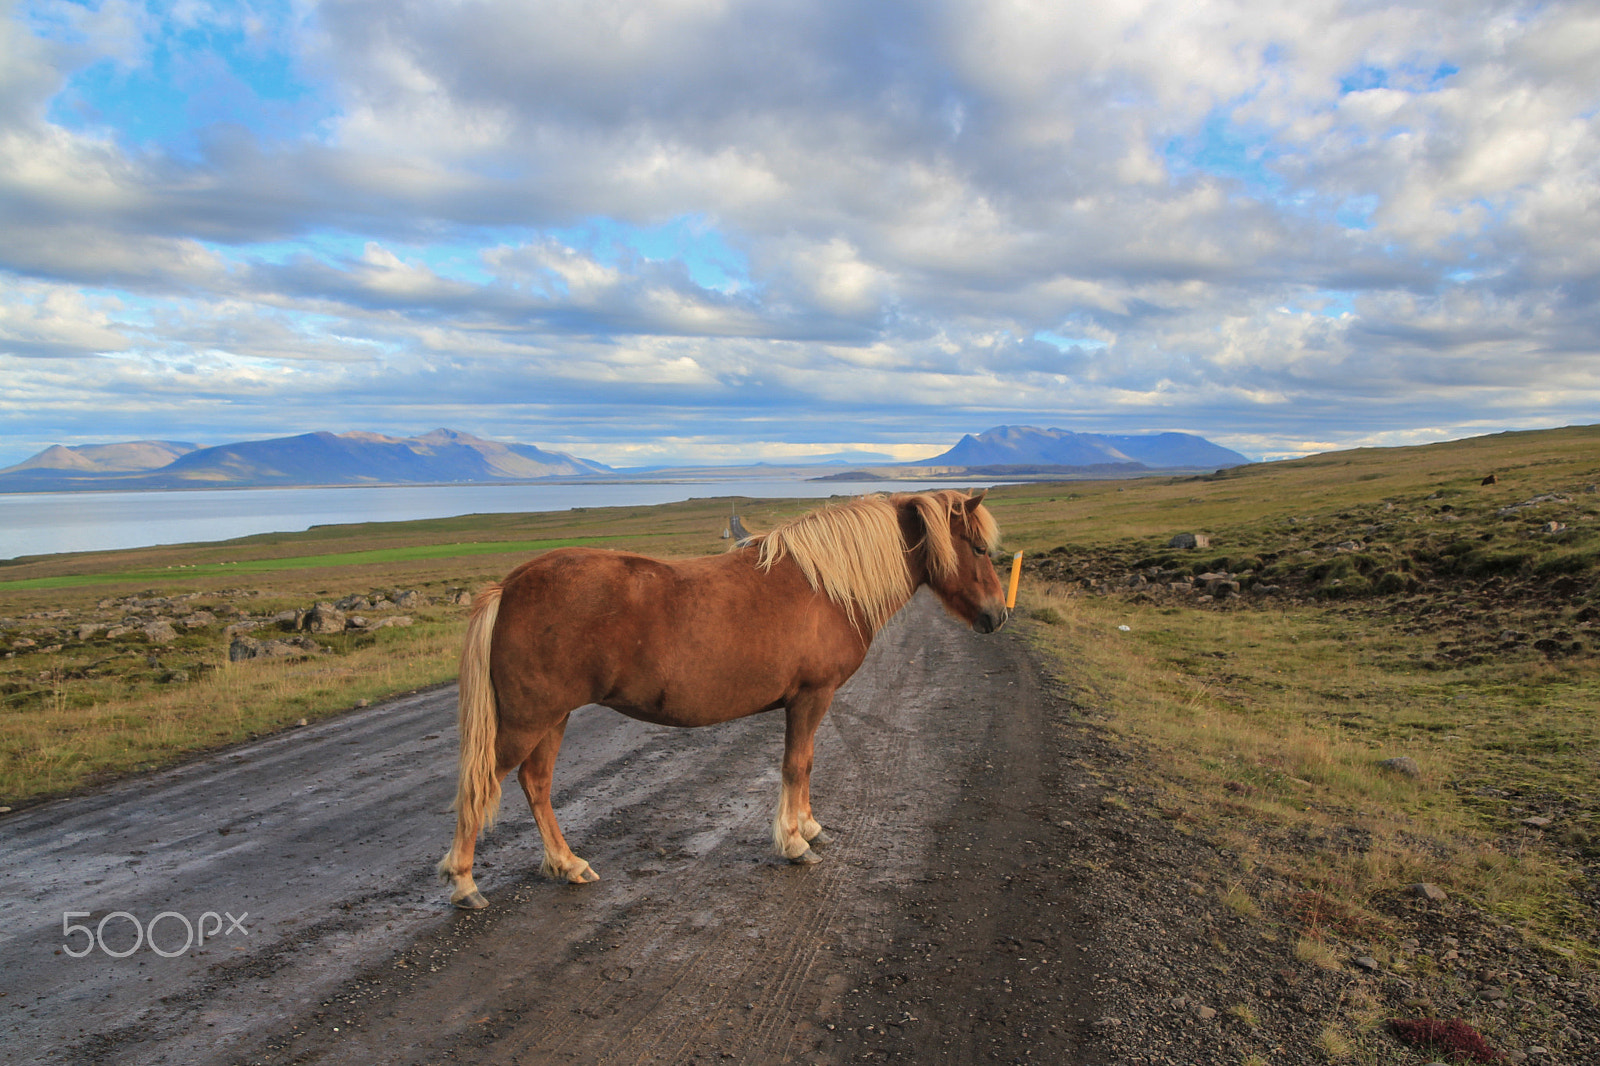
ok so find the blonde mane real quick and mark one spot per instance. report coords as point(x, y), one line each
point(855, 555)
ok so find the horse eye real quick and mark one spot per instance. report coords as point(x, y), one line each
point(976, 550)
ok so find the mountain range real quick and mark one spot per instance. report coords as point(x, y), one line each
point(1031, 446)
point(445, 456)
point(308, 459)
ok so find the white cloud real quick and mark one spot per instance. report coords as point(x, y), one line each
point(1378, 220)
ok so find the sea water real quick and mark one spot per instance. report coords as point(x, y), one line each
point(50, 522)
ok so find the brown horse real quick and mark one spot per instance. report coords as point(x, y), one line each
point(780, 621)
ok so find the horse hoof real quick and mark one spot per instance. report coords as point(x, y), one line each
point(472, 901)
point(822, 837)
point(583, 876)
point(806, 858)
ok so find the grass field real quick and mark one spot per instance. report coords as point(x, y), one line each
point(1371, 605)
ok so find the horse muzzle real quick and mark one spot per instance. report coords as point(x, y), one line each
point(990, 620)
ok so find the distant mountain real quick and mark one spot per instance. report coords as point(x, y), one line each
point(1031, 446)
point(106, 458)
point(310, 459)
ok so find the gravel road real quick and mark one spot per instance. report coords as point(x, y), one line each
point(941, 927)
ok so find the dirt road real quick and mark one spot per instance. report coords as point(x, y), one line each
point(941, 927)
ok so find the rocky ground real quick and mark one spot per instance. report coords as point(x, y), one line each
point(157, 638)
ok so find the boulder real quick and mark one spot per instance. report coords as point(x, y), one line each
point(245, 648)
point(160, 632)
point(325, 618)
point(410, 600)
point(198, 620)
point(1190, 540)
point(1404, 765)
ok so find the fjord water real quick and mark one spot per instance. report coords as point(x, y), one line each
point(52, 522)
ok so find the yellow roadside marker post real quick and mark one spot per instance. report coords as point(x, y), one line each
point(1016, 576)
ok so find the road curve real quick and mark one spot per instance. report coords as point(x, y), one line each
point(315, 850)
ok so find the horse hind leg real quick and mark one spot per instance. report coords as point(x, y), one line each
point(475, 811)
point(535, 775)
point(456, 866)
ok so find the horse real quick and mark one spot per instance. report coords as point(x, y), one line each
point(780, 620)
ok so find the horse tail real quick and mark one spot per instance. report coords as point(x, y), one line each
point(478, 788)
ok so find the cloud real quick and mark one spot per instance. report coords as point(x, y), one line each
point(1271, 224)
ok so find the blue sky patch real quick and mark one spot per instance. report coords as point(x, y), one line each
point(190, 76)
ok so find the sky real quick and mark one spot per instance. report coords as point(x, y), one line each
point(728, 230)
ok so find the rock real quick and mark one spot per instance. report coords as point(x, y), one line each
point(24, 644)
point(160, 632)
point(118, 631)
point(354, 603)
point(245, 648)
point(90, 629)
point(410, 600)
point(1428, 891)
point(289, 619)
point(1348, 546)
point(1536, 822)
point(1190, 540)
point(300, 721)
point(1367, 963)
point(198, 620)
point(356, 621)
point(462, 598)
point(1404, 765)
point(325, 618)
point(385, 623)
point(1205, 1014)
point(1490, 480)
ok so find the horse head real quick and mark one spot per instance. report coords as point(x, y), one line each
point(955, 534)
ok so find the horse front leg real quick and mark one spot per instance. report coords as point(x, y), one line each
point(794, 829)
point(535, 776)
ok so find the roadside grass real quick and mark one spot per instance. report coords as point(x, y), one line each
point(63, 743)
point(1265, 729)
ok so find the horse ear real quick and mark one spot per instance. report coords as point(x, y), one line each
point(971, 502)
